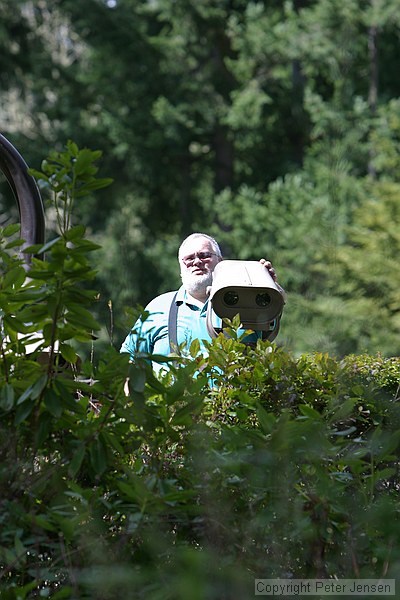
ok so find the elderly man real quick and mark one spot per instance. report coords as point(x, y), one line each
point(179, 317)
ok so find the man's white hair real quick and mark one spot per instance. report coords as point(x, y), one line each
point(213, 242)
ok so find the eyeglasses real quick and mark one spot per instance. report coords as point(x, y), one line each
point(189, 260)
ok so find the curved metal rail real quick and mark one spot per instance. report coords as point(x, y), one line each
point(26, 193)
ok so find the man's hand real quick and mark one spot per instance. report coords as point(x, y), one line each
point(268, 265)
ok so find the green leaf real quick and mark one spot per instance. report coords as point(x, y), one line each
point(20, 549)
point(43, 522)
point(344, 432)
point(39, 386)
point(14, 277)
point(81, 317)
point(68, 353)
point(14, 324)
point(23, 411)
point(194, 348)
point(41, 249)
point(386, 473)
point(72, 148)
point(184, 416)
point(23, 591)
point(96, 184)
point(53, 403)
point(98, 456)
point(44, 428)
point(64, 594)
point(25, 395)
point(382, 444)
point(77, 459)
point(7, 397)
point(75, 233)
point(127, 490)
point(67, 397)
point(38, 174)
point(11, 229)
point(83, 161)
point(112, 440)
point(134, 490)
point(7, 555)
point(137, 379)
point(309, 412)
point(267, 420)
point(341, 412)
point(14, 244)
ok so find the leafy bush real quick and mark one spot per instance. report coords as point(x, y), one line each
point(248, 463)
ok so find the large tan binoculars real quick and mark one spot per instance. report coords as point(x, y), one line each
point(245, 287)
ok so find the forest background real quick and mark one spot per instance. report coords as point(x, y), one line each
point(274, 126)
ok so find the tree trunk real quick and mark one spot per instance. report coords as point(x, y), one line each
point(373, 84)
point(185, 195)
point(297, 134)
point(224, 160)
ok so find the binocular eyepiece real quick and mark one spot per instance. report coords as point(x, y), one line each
point(231, 298)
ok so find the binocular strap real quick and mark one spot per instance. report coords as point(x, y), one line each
point(173, 325)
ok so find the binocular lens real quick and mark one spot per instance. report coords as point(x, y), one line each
point(263, 299)
point(231, 298)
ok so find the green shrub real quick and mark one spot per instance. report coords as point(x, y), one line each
point(248, 464)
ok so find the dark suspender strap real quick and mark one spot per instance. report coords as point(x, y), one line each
point(173, 325)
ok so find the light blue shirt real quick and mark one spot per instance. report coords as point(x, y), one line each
point(151, 335)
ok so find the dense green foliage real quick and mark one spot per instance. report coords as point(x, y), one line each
point(250, 463)
point(273, 125)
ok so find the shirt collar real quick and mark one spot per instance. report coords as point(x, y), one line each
point(184, 296)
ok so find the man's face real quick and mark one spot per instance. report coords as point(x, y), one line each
point(197, 260)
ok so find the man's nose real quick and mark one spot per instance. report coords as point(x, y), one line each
point(197, 258)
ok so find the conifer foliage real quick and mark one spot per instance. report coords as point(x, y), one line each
point(271, 124)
